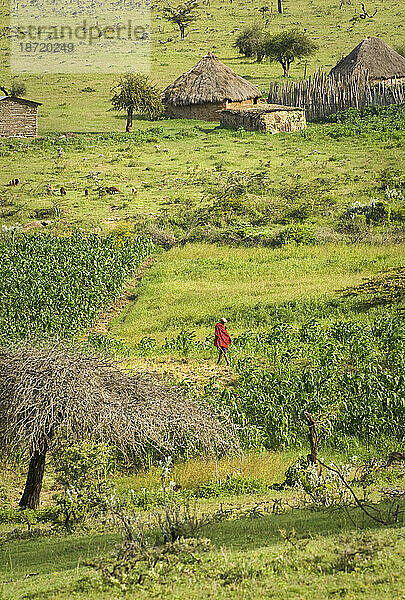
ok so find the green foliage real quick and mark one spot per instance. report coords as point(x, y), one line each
point(137, 95)
point(139, 565)
point(250, 42)
point(86, 463)
point(392, 178)
point(376, 122)
point(16, 89)
point(56, 286)
point(374, 211)
point(182, 14)
point(350, 371)
point(108, 345)
point(16, 516)
point(83, 470)
point(296, 234)
point(287, 46)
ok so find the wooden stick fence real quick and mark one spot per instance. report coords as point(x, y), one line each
point(322, 95)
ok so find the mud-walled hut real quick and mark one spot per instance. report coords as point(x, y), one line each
point(207, 89)
point(271, 118)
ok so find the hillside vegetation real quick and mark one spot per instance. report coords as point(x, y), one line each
point(124, 250)
point(335, 181)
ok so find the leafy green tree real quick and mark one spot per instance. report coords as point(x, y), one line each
point(137, 95)
point(286, 46)
point(181, 15)
point(251, 42)
point(17, 89)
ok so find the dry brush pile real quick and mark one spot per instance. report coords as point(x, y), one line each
point(52, 396)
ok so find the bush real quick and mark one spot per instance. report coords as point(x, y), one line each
point(9, 515)
point(295, 234)
point(374, 211)
point(85, 464)
point(250, 42)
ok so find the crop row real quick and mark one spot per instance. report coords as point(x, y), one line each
point(57, 286)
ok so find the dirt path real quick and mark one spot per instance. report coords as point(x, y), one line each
point(101, 326)
point(178, 369)
point(168, 367)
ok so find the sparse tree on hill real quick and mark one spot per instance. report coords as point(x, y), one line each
point(53, 397)
point(181, 15)
point(286, 46)
point(251, 42)
point(137, 95)
point(17, 89)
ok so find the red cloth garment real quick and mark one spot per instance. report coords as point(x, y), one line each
point(222, 339)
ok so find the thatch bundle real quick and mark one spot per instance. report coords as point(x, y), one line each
point(373, 56)
point(209, 81)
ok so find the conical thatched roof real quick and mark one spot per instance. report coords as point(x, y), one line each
point(376, 57)
point(209, 81)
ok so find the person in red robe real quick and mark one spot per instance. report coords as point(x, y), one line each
point(222, 340)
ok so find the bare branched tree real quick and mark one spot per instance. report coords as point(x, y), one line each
point(54, 396)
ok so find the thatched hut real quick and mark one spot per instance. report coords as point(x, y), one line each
point(207, 89)
point(272, 118)
point(374, 56)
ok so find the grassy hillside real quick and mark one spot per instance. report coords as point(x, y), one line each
point(67, 107)
point(250, 558)
point(190, 174)
point(191, 287)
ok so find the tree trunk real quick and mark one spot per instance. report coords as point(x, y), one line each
point(286, 67)
point(182, 31)
point(280, 6)
point(33, 485)
point(313, 438)
point(130, 115)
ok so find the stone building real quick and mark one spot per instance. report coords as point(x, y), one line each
point(18, 117)
point(374, 57)
point(207, 89)
point(272, 118)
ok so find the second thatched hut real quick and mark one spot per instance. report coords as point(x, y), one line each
point(207, 89)
point(374, 57)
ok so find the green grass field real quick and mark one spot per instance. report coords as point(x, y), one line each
point(250, 559)
point(191, 287)
point(177, 166)
point(295, 554)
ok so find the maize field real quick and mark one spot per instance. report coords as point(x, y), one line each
point(56, 286)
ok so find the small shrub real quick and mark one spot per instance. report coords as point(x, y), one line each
point(296, 234)
point(136, 563)
point(392, 178)
point(355, 227)
point(374, 211)
point(85, 464)
point(83, 470)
